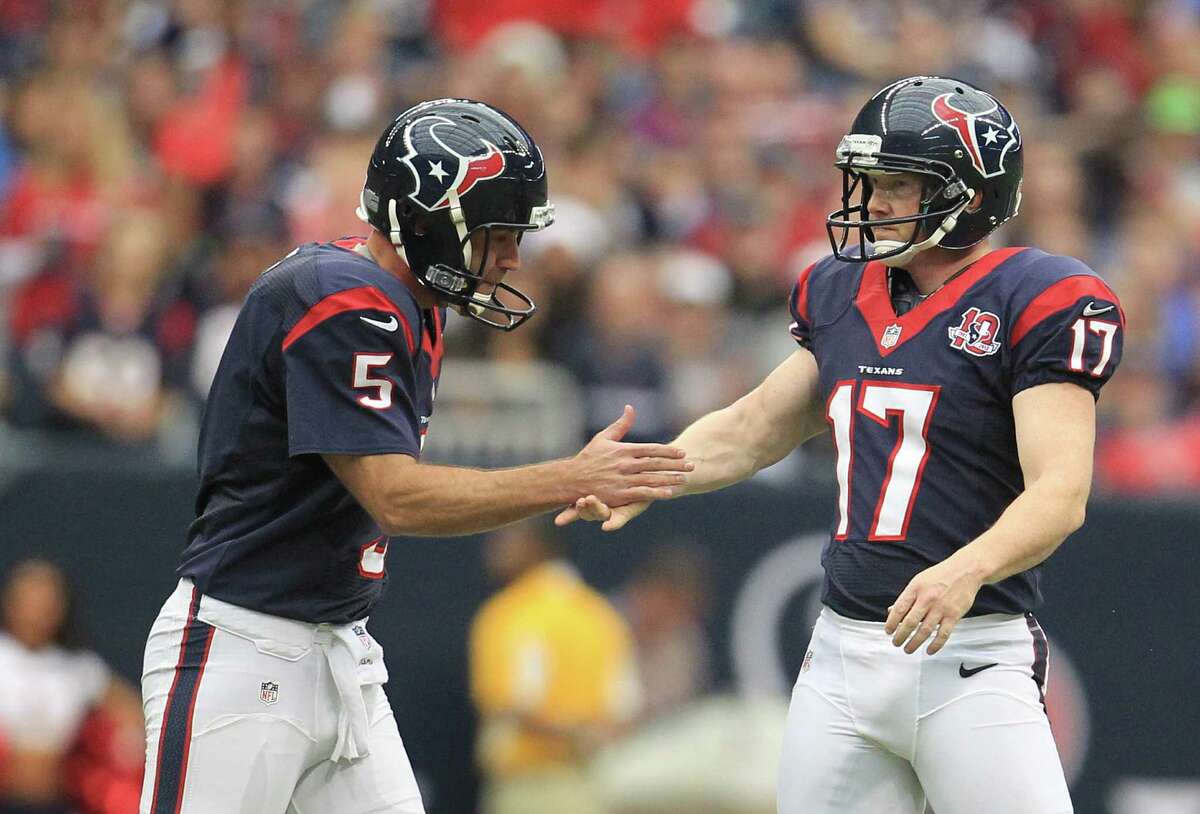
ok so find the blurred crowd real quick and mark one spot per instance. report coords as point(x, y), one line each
point(157, 155)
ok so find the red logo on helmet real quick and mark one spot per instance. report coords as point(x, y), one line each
point(963, 122)
point(476, 169)
point(445, 158)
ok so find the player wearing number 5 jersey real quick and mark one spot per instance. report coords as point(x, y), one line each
point(958, 382)
point(262, 686)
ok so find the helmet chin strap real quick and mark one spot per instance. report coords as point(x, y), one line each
point(394, 234)
point(947, 225)
point(460, 225)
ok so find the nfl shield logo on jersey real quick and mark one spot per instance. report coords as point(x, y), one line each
point(891, 335)
point(268, 692)
point(978, 333)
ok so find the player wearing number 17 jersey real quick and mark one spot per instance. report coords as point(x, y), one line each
point(262, 686)
point(958, 381)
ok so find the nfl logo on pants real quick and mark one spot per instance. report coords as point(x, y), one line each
point(268, 692)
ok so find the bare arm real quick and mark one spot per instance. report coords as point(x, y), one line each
point(409, 498)
point(757, 430)
point(731, 444)
point(1056, 430)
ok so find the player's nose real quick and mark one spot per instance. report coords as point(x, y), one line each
point(877, 205)
point(508, 256)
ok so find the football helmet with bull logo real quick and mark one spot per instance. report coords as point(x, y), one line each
point(444, 171)
point(958, 138)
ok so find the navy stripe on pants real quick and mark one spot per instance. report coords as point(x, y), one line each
point(1041, 654)
point(176, 736)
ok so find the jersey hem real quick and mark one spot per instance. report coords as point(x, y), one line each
point(415, 453)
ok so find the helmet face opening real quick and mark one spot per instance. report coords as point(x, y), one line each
point(943, 195)
point(502, 306)
point(958, 138)
point(444, 171)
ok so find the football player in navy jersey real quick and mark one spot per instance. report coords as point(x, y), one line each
point(959, 383)
point(262, 686)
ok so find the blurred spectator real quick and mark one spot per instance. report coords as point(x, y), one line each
point(616, 353)
point(1150, 448)
point(706, 370)
point(70, 731)
point(105, 351)
point(664, 603)
point(252, 236)
point(670, 127)
point(552, 675)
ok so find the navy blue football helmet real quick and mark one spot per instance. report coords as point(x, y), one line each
point(442, 171)
point(958, 138)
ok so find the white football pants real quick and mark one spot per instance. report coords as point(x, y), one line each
point(248, 713)
point(874, 730)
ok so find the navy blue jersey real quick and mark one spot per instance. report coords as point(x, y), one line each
point(330, 354)
point(920, 407)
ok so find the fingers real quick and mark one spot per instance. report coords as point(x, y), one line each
point(615, 523)
point(657, 465)
point(616, 430)
point(655, 451)
point(589, 508)
point(899, 610)
point(654, 479)
point(592, 508)
point(922, 632)
point(639, 494)
point(943, 634)
point(912, 620)
point(622, 515)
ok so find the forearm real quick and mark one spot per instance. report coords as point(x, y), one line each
point(1028, 531)
point(718, 445)
point(732, 444)
point(445, 500)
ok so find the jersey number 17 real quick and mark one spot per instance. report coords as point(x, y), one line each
point(913, 406)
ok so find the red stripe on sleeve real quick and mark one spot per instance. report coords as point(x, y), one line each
point(802, 292)
point(349, 243)
point(352, 299)
point(1063, 294)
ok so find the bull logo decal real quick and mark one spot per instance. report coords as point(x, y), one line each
point(986, 140)
point(463, 159)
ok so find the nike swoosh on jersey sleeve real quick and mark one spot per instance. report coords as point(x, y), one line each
point(1059, 296)
point(351, 299)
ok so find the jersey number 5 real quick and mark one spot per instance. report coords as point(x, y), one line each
point(912, 405)
point(363, 362)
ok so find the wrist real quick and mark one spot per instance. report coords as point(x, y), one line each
point(974, 564)
point(562, 481)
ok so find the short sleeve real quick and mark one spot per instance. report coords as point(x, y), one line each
point(798, 305)
point(351, 385)
point(1072, 332)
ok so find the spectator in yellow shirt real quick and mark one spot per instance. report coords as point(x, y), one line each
point(553, 677)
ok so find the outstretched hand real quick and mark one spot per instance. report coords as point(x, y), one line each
point(617, 473)
point(592, 509)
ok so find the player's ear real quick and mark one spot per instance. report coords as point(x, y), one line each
point(976, 202)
